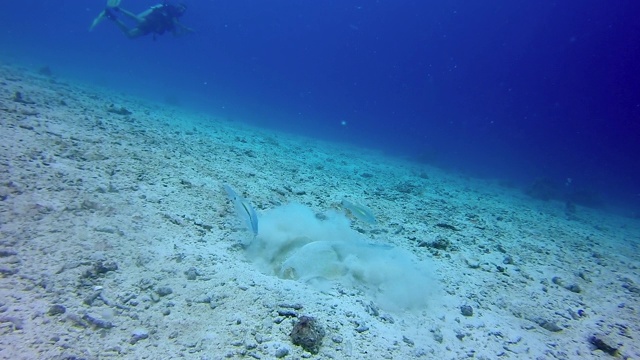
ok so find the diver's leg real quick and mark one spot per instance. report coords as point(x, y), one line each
point(137, 18)
point(119, 23)
point(130, 33)
point(122, 26)
point(144, 14)
point(134, 33)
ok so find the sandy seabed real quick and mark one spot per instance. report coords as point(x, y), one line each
point(117, 241)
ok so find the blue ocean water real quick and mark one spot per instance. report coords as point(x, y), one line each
point(508, 90)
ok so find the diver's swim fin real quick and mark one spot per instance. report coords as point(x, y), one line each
point(98, 19)
point(113, 3)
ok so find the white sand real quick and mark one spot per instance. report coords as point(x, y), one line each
point(82, 186)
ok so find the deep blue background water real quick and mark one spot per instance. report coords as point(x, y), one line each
point(505, 89)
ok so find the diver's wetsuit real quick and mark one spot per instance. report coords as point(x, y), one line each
point(159, 20)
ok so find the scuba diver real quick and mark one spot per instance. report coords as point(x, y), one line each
point(156, 20)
